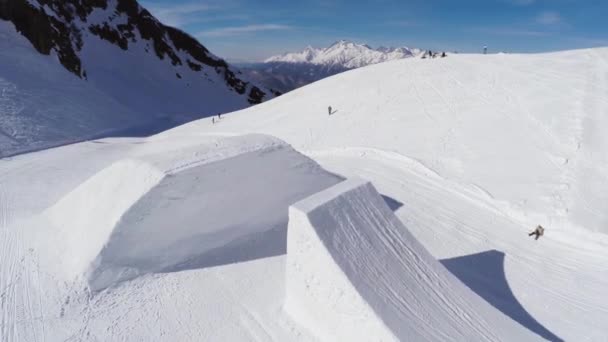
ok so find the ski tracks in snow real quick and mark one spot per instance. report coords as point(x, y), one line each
point(5, 207)
point(21, 315)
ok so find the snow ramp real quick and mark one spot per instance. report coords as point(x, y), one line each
point(355, 272)
point(173, 207)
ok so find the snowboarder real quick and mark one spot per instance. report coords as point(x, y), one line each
point(219, 116)
point(329, 110)
point(213, 120)
point(485, 50)
point(443, 55)
point(538, 232)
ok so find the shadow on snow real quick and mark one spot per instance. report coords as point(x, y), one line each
point(484, 273)
point(258, 246)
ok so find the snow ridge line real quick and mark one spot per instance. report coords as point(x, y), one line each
point(472, 192)
point(212, 157)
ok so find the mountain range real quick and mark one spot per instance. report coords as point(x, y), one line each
point(345, 54)
point(292, 70)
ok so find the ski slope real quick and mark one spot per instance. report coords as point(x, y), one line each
point(354, 270)
point(470, 152)
point(525, 129)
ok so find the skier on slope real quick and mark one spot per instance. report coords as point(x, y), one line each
point(538, 232)
point(329, 110)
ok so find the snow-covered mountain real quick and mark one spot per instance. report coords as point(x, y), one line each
point(258, 226)
point(346, 54)
point(293, 70)
point(76, 69)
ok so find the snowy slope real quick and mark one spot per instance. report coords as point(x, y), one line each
point(71, 70)
point(346, 54)
point(470, 152)
point(354, 270)
point(31, 116)
point(490, 121)
point(479, 149)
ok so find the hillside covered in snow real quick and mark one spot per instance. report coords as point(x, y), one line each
point(403, 214)
point(74, 69)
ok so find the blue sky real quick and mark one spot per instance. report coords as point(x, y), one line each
point(251, 30)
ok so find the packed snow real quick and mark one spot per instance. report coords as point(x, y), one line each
point(354, 270)
point(162, 211)
point(470, 152)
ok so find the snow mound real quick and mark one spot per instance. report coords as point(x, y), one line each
point(168, 210)
point(354, 270)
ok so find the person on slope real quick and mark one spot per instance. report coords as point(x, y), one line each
point(329, 110)
point(538, 232)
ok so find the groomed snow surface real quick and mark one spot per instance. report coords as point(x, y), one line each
point(188, 236)
point(354, 272)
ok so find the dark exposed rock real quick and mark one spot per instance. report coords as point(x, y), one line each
point(195, 66)
point(255, 95)
point(184, 42)
point(107, 33)
point(44, 32)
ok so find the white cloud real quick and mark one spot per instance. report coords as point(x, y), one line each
point(178, 15)
point(238, 30)
point(549, 18)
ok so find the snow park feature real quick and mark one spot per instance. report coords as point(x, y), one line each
point(163, 211)
point(136, 238)
point(354, 270)
point(415, 138)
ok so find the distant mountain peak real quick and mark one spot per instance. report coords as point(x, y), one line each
point(346, 54)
